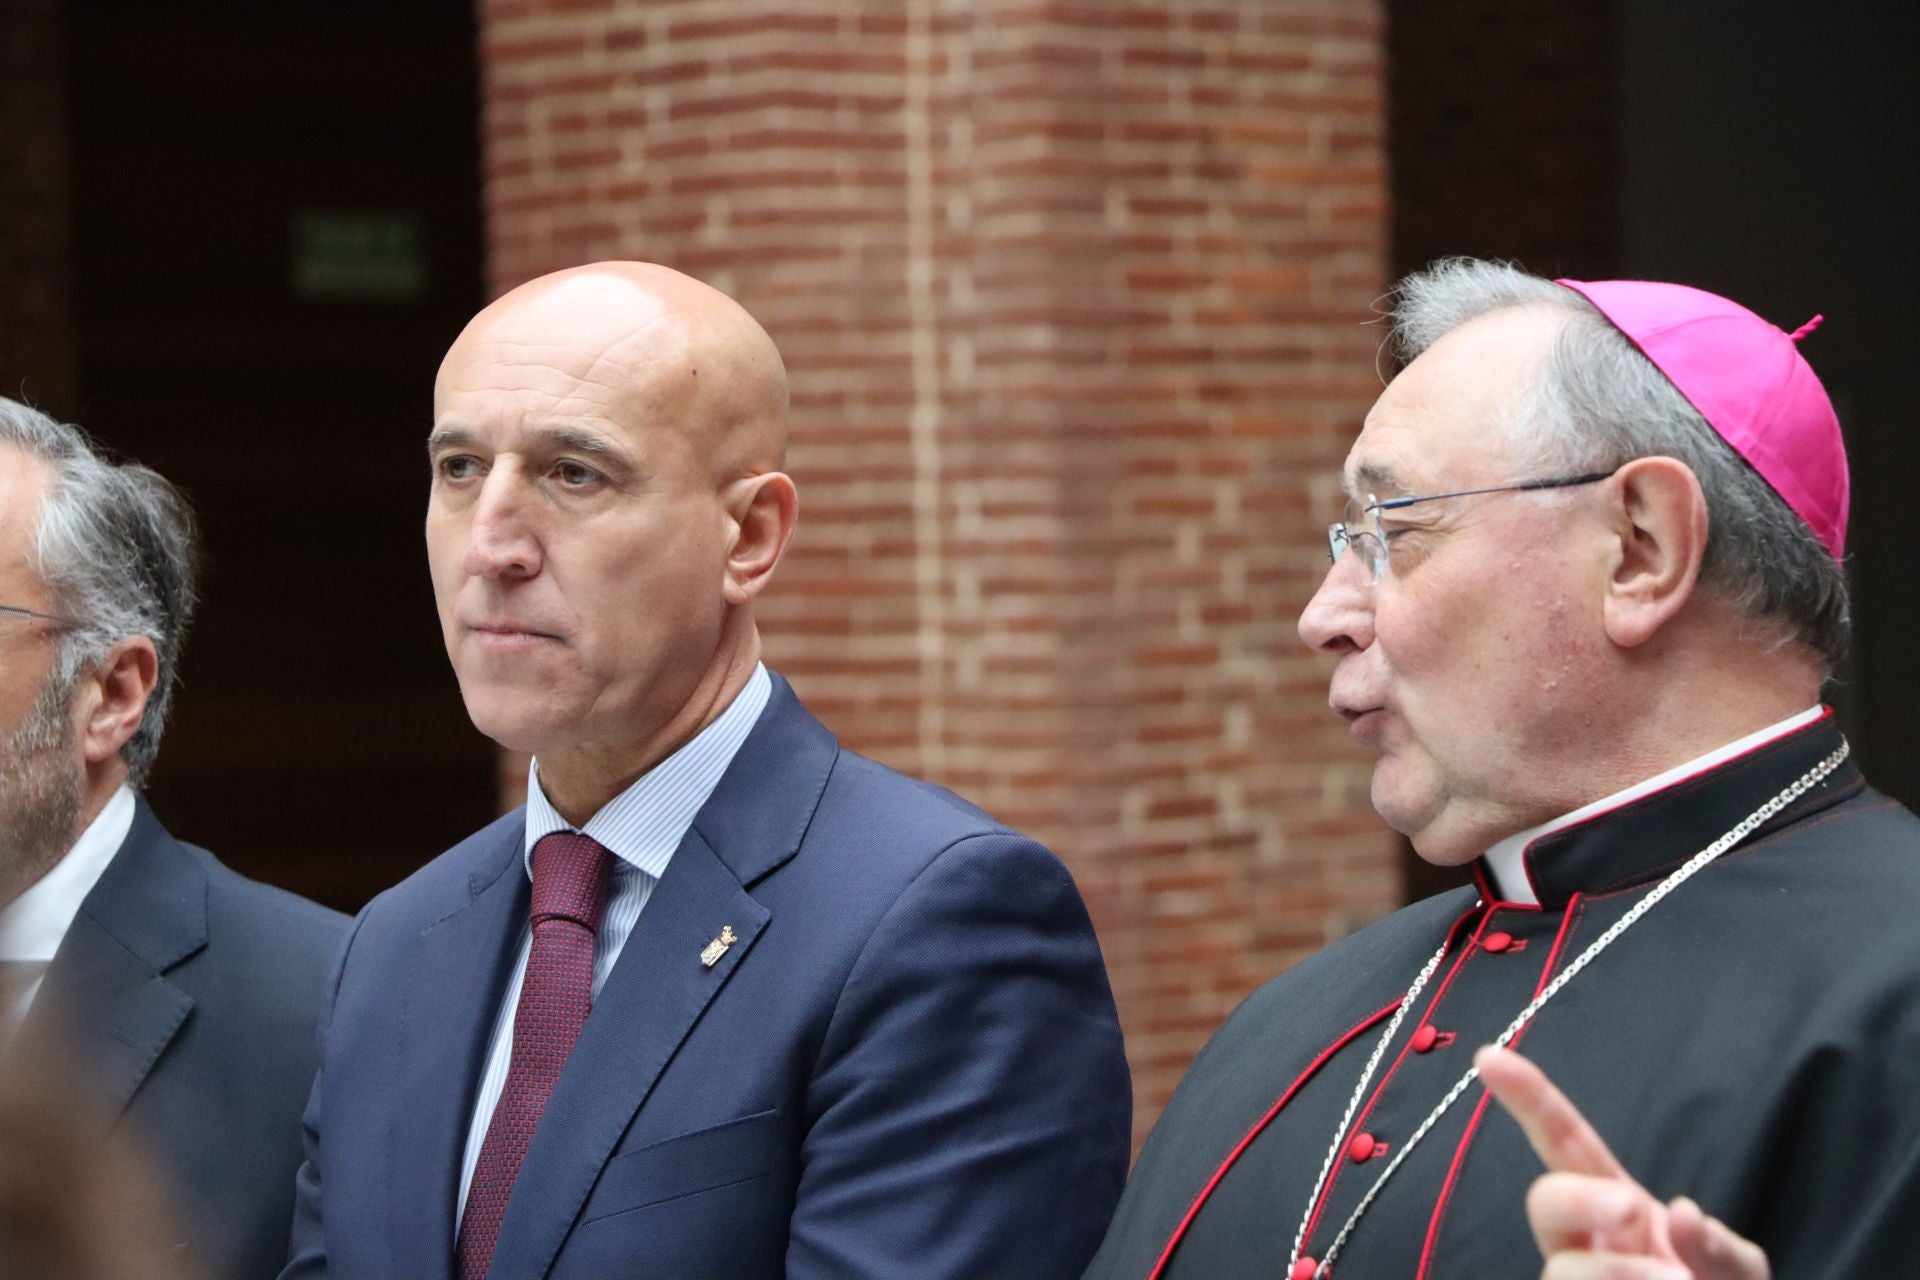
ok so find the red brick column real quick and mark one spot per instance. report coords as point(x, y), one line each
point(1071, 295)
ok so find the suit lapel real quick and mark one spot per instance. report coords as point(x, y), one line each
point(106, 998)
point(757, 816)
point(651, 1001)
point(752, 823)
point(451, 988)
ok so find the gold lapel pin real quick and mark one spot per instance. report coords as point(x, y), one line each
point(718, 947)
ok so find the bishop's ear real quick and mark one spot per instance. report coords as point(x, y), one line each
point(1659, 516)
point(763, 511)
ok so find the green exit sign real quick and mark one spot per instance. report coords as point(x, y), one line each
point(346, 256)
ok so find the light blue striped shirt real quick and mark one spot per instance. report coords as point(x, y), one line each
point(642, 826)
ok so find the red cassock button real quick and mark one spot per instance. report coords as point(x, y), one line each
point(1362, 1147)
point(1497, 942)
point(1424, 1038)
point(1303, 1269)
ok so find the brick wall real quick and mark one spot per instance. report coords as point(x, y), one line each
point(1071, 295)
point(36, 336)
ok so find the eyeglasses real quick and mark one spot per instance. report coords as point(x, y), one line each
point(20, 611)
point(1371, 542)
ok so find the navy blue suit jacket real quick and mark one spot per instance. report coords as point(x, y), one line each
point(907, 1066)
point(186, 996)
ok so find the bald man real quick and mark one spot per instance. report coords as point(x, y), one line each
point(722, 1000)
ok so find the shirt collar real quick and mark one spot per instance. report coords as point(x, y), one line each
point(33, 924)
point(644, 824)
point(1533, 867)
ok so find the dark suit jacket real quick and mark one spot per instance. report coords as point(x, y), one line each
point(186, 996)
point(907, 1066)
point(1753, 1042)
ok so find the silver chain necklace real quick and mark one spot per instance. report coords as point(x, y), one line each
point(1323, 1269)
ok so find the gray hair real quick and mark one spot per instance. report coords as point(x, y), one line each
point(116, 547)
point(1599, 403)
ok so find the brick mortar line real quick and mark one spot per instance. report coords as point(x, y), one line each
point(924, 426)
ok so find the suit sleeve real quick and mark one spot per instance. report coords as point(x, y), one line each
point(970, 1113)
point(307, 1250)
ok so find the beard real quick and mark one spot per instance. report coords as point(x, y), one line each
point(40, 791)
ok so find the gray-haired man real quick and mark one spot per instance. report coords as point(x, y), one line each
point(1580, 606)
point(183, 996)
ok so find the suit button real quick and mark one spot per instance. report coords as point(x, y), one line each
point(1363, 1147)
point(1303, 1269)
point(1424, 1038)
point(1497, 942)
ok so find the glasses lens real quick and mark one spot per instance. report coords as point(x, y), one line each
point(1376, 540)
point(1360, 532)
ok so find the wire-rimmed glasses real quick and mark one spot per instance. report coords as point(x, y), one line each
point(1371, 541)
point(21, 611)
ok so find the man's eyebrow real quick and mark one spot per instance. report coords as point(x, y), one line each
point(448, 438)
point(559, 439)
point(1375, 478)
point(566, 440)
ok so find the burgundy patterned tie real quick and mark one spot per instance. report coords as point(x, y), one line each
point(569, 894)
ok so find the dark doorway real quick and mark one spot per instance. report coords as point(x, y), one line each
point(276, 233)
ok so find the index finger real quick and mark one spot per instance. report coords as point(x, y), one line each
point(1560, 1135)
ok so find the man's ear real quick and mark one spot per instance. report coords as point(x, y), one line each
point(1659, 516)
point(112, 700)
point(763, 512)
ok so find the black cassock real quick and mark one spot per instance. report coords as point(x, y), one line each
point(1753, 1041)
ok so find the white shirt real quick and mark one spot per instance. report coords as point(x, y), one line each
point(641, 826)
point(32, 925)
point(1506, 860)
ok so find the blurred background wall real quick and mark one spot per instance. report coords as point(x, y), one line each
point(1074, 297)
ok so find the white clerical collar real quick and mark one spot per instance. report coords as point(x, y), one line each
point(1506, 860)
point(644, 824)
point(32, 925)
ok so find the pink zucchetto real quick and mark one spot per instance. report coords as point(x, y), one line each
point(1749, 381)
